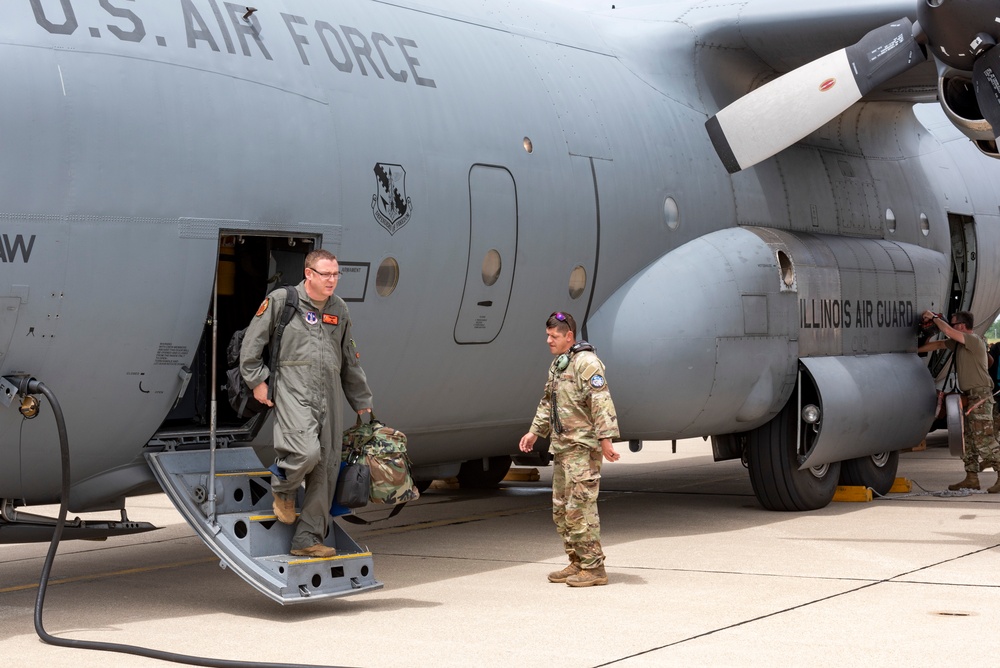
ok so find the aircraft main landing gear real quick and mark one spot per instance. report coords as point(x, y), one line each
point(773, 462)
point(877, 471)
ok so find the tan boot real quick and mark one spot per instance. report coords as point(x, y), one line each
point(996, 486)
point(284, 509)
point(971, 482)
point(318, 550)
point(560, 576)
point(588, 577)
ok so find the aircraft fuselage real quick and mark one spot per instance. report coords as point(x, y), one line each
point(136, 135)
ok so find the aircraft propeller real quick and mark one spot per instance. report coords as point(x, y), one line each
point(959, 34)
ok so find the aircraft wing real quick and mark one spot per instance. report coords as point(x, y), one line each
point(766, 39)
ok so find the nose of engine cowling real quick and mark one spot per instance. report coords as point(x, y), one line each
point(701, 341)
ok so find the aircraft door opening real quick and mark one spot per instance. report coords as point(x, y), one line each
point(489, 275)
point(249, 266)
point(963, 262)
point(963, 274)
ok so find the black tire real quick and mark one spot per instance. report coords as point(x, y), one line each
point(422, 485)
point(472, 474)
point(774, 470)
point(876, 471)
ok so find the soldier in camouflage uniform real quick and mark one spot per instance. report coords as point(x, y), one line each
point(577, 413)
point(994, 369)
point(318, 364)
point(977, 387)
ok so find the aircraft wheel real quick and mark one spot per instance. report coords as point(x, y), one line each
point(774, 470)
point(422, 485)
point(472, 475)
point(877, 471)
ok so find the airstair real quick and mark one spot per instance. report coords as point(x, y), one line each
point(243, 531)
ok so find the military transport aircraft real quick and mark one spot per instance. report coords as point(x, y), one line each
point(747, 205)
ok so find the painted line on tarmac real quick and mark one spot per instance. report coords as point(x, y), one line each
point(895, 579)
point(99, 576)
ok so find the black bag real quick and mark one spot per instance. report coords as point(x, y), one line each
point(354, 483)
point(239, 393)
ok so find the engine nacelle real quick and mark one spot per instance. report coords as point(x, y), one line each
point(958, 99)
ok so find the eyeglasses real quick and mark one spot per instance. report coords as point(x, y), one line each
point(332, 276)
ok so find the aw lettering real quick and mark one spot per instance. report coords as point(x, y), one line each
point(225, 27)
point(860, 314)
point(13, 246)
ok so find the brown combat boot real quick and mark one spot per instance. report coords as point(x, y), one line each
point(318, 550)
point(284, 509)
point(996, 486)
point(560, 576)
point(971, 482)
point(588, 577)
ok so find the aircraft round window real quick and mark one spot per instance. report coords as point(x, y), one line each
point(925, 224)
point(387, 277)
point(577, 282)
point(491, 267)
point(890, 221)
point(671, 214)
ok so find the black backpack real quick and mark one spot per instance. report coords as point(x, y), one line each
point(240, 395)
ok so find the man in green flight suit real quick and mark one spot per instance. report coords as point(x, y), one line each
point(318, 365)
point(576, 411)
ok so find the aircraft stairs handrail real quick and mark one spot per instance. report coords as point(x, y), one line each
point(246, 535)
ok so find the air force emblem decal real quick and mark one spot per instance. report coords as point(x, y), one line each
point(391, 206)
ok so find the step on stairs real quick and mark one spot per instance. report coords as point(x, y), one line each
point(246, 535)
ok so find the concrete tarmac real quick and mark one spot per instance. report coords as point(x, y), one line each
point(699, 575)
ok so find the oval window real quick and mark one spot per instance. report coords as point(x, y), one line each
point(577, 282)
point(491, 267)
point(387, 277)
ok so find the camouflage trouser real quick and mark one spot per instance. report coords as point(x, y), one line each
point(996, 417)
point(576, 481)
point(980, 441)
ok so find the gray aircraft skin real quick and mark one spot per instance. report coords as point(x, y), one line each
point(474, 167)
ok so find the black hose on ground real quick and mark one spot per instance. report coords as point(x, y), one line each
point(31, 386)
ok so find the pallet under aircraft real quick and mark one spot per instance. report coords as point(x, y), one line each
point(747, 206)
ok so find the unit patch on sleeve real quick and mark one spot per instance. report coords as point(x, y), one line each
point(597, 381)
point(330, 319)
point(263, 306)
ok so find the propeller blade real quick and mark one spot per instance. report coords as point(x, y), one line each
point(781, 112)
point(986, 78)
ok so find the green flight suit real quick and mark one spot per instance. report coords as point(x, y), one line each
point(318, 365)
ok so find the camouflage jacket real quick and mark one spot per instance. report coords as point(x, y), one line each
point(583, 406)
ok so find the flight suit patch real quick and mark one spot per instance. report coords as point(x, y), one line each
point(597, 381)
point(311, 317)
point(330, 319)
point(591, 369)
point(263, 306)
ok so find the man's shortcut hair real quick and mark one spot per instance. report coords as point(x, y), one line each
point(319, 254)
point(963, 318)
point(561, 321)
